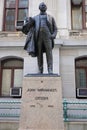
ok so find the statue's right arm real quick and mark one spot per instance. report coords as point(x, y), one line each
point(25, 29)
point(28, 23)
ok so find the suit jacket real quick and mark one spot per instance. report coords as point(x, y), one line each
point(34, 40)
point(51, 25)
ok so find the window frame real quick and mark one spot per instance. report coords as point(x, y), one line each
point(83, 15)
point(76, 81)
point(16, 14)
point(12, 73)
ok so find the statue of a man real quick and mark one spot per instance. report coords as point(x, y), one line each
point(44, 32)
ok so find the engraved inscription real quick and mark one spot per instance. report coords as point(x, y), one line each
point(41, 98)
point(40, 95)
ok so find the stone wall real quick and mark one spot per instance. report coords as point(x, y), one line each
point(76, 126)
point(6, 125)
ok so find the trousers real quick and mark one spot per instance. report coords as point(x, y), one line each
point(44, 41)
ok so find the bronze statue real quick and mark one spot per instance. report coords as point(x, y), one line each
point(41, 31)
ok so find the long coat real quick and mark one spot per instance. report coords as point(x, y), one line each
point(28, 29)
point(30, 43)
point(34, 40)
point(51, 25)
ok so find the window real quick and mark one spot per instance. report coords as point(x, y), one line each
point(12, 75)
point(15, 10)
point(79, 14)
point(81, 74)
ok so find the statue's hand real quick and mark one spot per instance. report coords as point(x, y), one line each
point(52, 36)
point(26, 20)
point(31, 22)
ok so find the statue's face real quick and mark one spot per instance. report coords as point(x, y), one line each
point(42, 7)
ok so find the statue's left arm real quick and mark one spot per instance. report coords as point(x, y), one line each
point(55, 29)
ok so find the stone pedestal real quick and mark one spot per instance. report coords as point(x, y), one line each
point(41, 103)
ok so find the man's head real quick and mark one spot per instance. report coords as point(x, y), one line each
point(42, 7)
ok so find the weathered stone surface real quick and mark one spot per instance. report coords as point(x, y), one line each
point(42, 103)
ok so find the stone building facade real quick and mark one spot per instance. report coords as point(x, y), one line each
point(69, 53)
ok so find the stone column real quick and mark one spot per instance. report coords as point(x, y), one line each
point(1, 13)
point(62, 17)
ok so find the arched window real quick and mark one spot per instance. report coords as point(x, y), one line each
point(12, 75)
point(81, 75)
